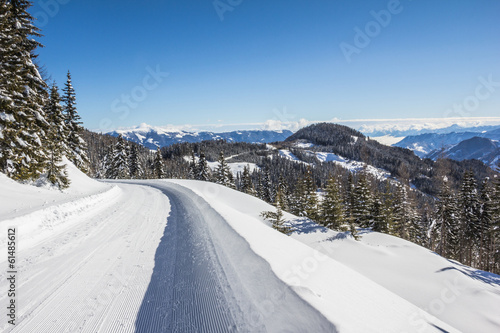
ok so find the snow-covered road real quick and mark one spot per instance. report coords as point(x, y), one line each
point(150, 261)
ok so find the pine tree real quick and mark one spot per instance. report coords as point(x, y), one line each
point(446, 226)
point(379, 222)
point(260, 187)
point(23, 126)
point(134, 164)
point(77, 148)
point(470, 231)
point(309, 196)
point(158, 165)
point(332, 205)
point(386, 223)
point(362, 202)
point(405, 223)
point(486, 215)
point(349, 196)
point(495, 227)
point(193, 168)
point(203, 169)
point(267, 188)
point(55, 141)
point(118, 168)
point(246, 181)
point(284, 192)
point(277, 218)
point(223, 173)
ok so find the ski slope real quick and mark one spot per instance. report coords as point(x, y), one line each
point(188, 256)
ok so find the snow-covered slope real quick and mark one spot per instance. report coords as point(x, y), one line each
point(154, 136)
point(464, 298)
point(173, 255)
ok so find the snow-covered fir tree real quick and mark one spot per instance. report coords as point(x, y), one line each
point(362, 202)
point(332, 207)
point(284, 192)
point(470, 229)
point(159, 166)
point(387, 223)
point(308, 197)
point(246, 181)
point(446, 226)
point(223, 174)
point(55, 141)
point(405, 224)
point(136, 169)
point(119, 168)
point(193, 167)
point(77, 148)
point(23, 127)
point(277, 217)
point(203, 169)
point(267, 187)
point(486, 225)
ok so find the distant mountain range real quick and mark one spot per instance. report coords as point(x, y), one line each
point(481, 145)
point(480, 142)
point(153, 137)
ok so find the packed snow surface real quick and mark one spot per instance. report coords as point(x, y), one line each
point(188, 256)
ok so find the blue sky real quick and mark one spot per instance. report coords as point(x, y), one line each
point(252, 61)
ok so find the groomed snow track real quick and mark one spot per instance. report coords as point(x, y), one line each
point(196, 287)
point(114, 272)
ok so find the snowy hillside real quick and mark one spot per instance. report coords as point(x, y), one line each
point(160, 255)
point(154, 136)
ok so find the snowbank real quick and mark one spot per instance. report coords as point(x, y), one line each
point(352, 299)
point(41, 212)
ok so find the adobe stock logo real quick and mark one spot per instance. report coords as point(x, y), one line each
point(372, 29)
point(49, 9)
point(223, 6)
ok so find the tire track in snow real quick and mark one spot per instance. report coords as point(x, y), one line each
point(93, 276)
point(207, 279)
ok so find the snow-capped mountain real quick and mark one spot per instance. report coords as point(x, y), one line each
point(425, 144)
point(483, 146)
point(483, 149)
point(153, 137)
point(407, 127)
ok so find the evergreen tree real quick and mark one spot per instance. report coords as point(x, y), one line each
point(55, 143)
point(23, 126)
point(379, 221)
point(203, 169)
point(260, 187)
point(362, 202)
point(246, 181)
point(284, 193)
point(309, 196)
point(77, 148)
point(135, 166)
point(386, 223)
point(470, 229)
point(277, 218)
point(495, 227)
point(332, 205)
point(486, 215)
point(118, 167)
point(446, 226)
point(349, 196)
point(267, 188)
point(193, 169)
point(223, 173)
point(405, 223)
point(158, 165)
